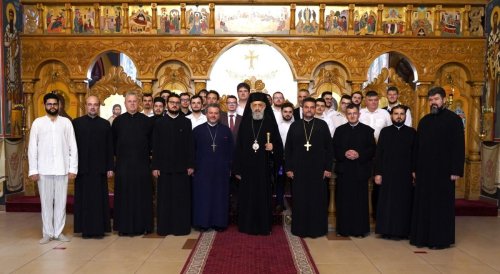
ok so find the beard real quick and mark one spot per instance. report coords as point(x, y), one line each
point(257, 115)
point(287, 118)
point(173, 112)
point(435, 109)
point(398, 124)
point(52, 112)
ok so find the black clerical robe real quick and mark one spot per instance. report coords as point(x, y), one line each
point(309, 189)
point(351, 194)
point(133, 200)
point(440, 153)
point(255, 190)
point(173, 154)
point(211, 177)
point(394, 162)
point(95, 158)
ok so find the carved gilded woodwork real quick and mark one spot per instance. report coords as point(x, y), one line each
point(116, 81)
point(330, 78)
point(174, 77)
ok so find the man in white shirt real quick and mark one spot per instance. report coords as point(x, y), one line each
point(392, 98)
point(373, 116)
point(278, 100)
point(283, 126)
point(320, 114)
point(243, 90)
point(331, 104)
point(53, 158)
point(339, 117)
point(197, 118)
point(356, 98)
point(147, 104)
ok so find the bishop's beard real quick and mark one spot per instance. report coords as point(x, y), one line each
point(258, 115)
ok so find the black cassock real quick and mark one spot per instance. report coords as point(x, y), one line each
point(394, 162)
point(173, 154)
point(95, 158)
point(351, 193)
point(440, 152)
point(309, 189)
point(133, 211)
point(255, 190)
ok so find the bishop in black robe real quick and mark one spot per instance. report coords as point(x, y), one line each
point(133, 200)
point(95, 160)
point(173, 155)
point(214, 152)
point(440, 152)
point(308, 164)
point(256, 168)
point(351, 193)
point(394, 163)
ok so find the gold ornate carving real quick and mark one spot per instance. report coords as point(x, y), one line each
point(330, 76)
point(172, 75)
point(199, 85)
point(256, 85)
point(116, 81)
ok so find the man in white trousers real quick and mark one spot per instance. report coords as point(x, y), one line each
point(53, 158)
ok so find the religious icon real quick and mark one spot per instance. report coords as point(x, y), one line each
point(307, 22)
point(198, 18)
point(111, 19)
point(55, 19)
point(450, 22)
point(31, 19)
point(336, 20)
point(262, 19)
point(83, 20)
point(140, 20)
point(393, 21)
point(169, 20)
point(421, 22)
point(365, 21)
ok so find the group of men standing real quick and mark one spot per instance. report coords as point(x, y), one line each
point(195, 152)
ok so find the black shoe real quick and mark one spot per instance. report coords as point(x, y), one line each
point(342, 235)
point(219, 229)
point(439, 247)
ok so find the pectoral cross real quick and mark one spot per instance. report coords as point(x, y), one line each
point(307, 145)
point(213, 147)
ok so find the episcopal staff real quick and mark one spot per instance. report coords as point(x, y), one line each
point(440, 152)
point(172, 164)
point(393, 167)
point(308, 161)
point(95, 158)
point(213, 144)
point(354, 148)
point(251, 165)
point(133, 209)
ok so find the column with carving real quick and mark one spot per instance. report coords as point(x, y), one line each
point(350, 23)
point(69, 15)
point(422, 90)
point(183, 18)
point(437, 18)
point(39, 29)
point(380, 10)
point(292, 18)
point(211, 24)
point(356, 85)
point(322, 19)
point(465, 15)
point(199, 85)
point(29, 116)
point(147, 85)
point(81, 88)
point(154, 27)
point(125, 18)
point(473, 161)
point(97, 23)
point(304, 84)
point(409, 10)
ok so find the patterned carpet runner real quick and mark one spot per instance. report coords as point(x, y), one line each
point(233, 252)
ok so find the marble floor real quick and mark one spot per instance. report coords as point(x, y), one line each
point(477, 251)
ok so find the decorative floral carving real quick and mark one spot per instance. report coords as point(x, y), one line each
point(116, 81)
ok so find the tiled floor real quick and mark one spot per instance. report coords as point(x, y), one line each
point(477, 251)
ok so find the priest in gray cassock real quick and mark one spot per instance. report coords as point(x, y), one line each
point(258, 151)
point(308, 161)
point(213, 144)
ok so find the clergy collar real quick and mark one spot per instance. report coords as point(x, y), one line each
point(91, 116)
point(210, 124)
point(354, 124)
point(172, 116)
point(389, 106)
point(308, 120)
point(399, 126)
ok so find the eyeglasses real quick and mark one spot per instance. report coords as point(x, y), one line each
point(231, 104)
point(52, 104)
point(174, 103)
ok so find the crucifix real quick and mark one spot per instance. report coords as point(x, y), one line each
point(307, 145)
point(251, 57)
point(214, 146)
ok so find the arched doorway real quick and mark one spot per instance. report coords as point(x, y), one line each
point(256, 61)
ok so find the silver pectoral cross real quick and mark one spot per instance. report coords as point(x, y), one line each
point(307, 145)
point(214, 146)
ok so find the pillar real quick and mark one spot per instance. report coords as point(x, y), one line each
point(154, 26)
point(125, 18)
point(29, 116)
point(356, 85)
point(409, 10)
point(199, 85)
point(350, 23)
point(81, 89)
point(39, 29)
point(322, 19)
point(422, 109)
point(465, 15)
point(380, 10)
point(69, 16)
point(97, 21)
point(437, 14)
point(183, 19)
point(473, 161)
point(292, 18)
point(211, 22)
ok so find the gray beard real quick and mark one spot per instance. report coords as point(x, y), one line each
point(258, 115)
point(435, 109)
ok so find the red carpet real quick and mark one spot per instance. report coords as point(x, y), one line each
point(474, 208)
point(233, 252)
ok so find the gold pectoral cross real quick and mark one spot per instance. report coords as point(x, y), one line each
point(307, 145)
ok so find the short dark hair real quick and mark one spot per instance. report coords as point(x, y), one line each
point(321, 100)
point(184, 94)
point(213, 106)
point(147, 95)
point(50, 95)
point(397, 107)
point(345, 96)
point(309, 99)
point(326, 93)
point(214, 92)
point(351, 106)
point(231, 97)
point(159, 99)
point(287, 105)
point(436, 90)
point(118, 105)
point(279, 92)
point(304, 90)
point(196, 97)
point(393, 88)
point(202, 90)
point(371, 93)
point(243, 85)
point(165, 91)
point(357, 92)
point(173, 95)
